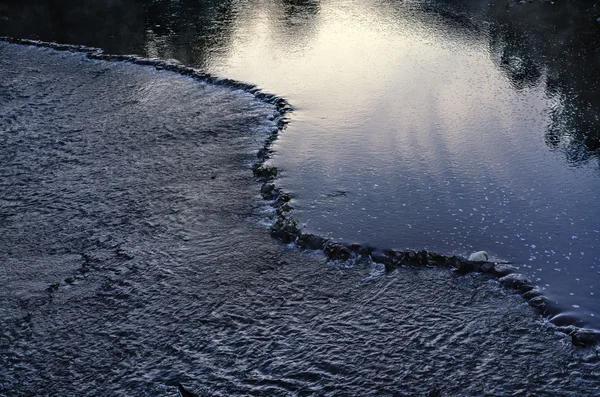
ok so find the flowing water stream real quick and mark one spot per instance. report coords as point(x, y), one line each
point(135, 248)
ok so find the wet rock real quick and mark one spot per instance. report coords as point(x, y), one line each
point(532, 294)
point(486, 267)
point(566, 320)
point(53, 287)
point(337, 251)
point(520, 282)
point(361, 249)
point(264, 171)
point(436, 259)
point(69, 280)
point(413, 257)
point(584, 338)
point(539, 303)
point(283, 209)
point(268, 191)
point(263, 153)
point(281, 199)
point(501, 270)
point(461, 265)
point(311, 241)
point(285, 229)
point(388, 261)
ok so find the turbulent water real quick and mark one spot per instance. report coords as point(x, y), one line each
point(133, 259)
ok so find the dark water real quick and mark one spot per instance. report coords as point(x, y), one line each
point(419, 124)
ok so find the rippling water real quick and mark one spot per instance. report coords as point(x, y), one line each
point(133, 252)
point(418, 124)
point(133, 259)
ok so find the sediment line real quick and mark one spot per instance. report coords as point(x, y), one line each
point(286, 228)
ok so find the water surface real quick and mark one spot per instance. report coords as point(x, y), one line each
point(418, 124)
point(134, 258)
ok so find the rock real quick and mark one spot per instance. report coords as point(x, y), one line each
point(501, 270)
point(281, 199)
point(268, 191)
point(567, 320)
point(532, 294)
point(337, 251)
point(479, 256)
point(539, 303)
point(285, 229)
point(436, 259)
point(584, 338)
point(311, 241)
point(422, 257)
point(388, 261)
point(461, 265)
point(364, 251)
point(516, 281)
point(283, 209)
point(264, 171)
point(486, 267)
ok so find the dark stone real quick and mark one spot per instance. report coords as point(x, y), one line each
point(311, 241)
point(388, 261)
point(501, 270)
point(264, 171)
point(53, 287)
point(584, 338)
point(268, 191)
point(486, 267)
point(539, 303)
point(436, 259)
point(516, 281)
point(532, 294)
point(461, 265)
point(69, 280)
point(283, 209)
point(281, 199)
point(283, 235)
point(337, 251)
point(285, 229)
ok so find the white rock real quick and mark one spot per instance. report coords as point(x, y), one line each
point(479, 256)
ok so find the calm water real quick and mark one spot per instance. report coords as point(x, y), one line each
point(418, 127)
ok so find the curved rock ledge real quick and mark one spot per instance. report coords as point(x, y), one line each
point(286, 228)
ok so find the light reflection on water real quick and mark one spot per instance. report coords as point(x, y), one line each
point(436, 129)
